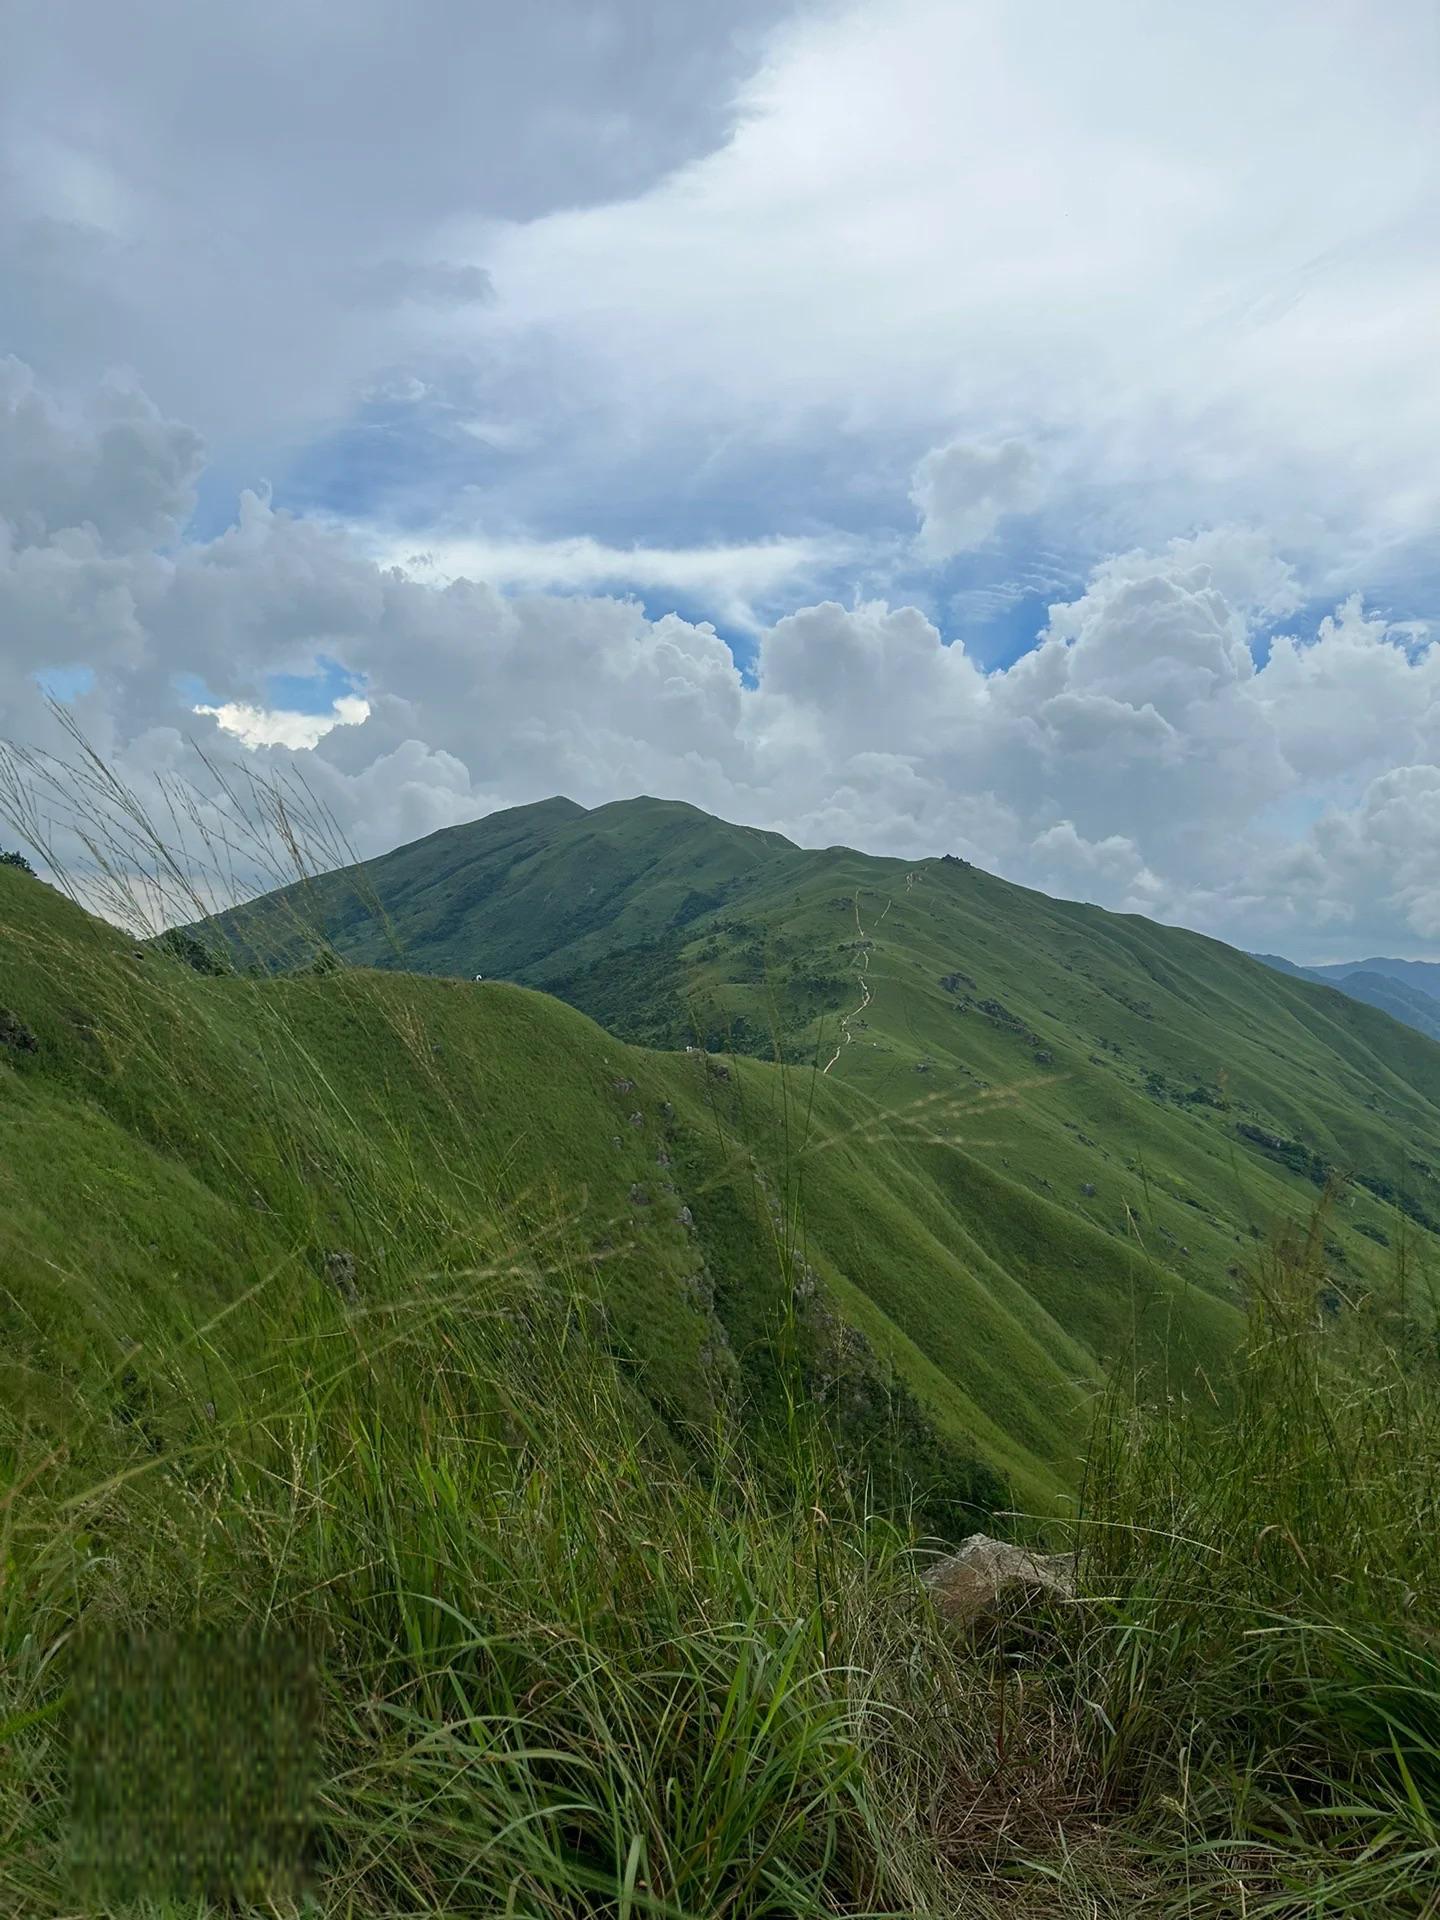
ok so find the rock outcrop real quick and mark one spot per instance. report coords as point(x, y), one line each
point(986, 1578)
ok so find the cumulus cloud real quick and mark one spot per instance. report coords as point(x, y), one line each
point(111, 464)
point(1145, 753)
point(1393, 837)
point(1115, 865)
point(963, 491)
point(256, 726)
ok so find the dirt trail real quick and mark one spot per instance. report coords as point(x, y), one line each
point(860, 974)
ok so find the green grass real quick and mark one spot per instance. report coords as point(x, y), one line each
point(1060, 1133)
point(592, 1523)
point(556, 1671)
point(598, 1623)
point(178, 1134)
point(1264, 1670)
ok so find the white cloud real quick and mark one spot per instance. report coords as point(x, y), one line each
point(964, 490)
point(113, 464)
point(1115, 865)
point(433, 283)
point(255, 726)
point(812, 239)
point(727, 577)
point(209, 207)
point(1138, 755)
point(1156, 255)
point(1389, 844)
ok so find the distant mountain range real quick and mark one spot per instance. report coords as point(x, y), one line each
point(1408, 990)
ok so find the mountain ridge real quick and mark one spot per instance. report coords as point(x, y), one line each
point(1371, 983)
point(1060, 1091)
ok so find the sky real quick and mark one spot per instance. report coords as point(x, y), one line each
point(920, 424)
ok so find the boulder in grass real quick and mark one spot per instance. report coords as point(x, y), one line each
point(15, 1034)
point(339, 1269)
point(987, 1578)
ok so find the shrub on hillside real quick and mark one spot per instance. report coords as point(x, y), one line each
point(17, 860)
point(184, 947)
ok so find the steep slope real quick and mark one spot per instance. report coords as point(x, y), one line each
point(175, 1148)
point(1066, 1098)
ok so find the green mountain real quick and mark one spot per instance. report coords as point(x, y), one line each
point(1078, 1120)
point(1373, 983)
point(177, 1141)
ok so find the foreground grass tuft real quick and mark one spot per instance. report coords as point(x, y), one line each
point(1262, 1669)
point(561, 1668)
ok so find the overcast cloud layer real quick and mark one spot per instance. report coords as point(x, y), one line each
point(925, 426)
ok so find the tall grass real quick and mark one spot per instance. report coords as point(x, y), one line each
point(564, 1669)
point(1261, 1672)
point(569, 1660)
point(184, 849)
point(572, 1661)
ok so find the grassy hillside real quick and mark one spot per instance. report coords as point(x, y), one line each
point(176, 1142)
point(404, 1393)
point(410, 1506)
point(1092, 1116)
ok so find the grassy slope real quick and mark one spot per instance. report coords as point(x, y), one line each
point(1086, 1118)
point(176, 1141)
point(532, 1622)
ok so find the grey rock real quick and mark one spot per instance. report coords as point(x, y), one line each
point(986, 1578)
point(339, 1271)
point(699, 1291)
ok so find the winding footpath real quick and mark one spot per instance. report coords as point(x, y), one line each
point(861, 973)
